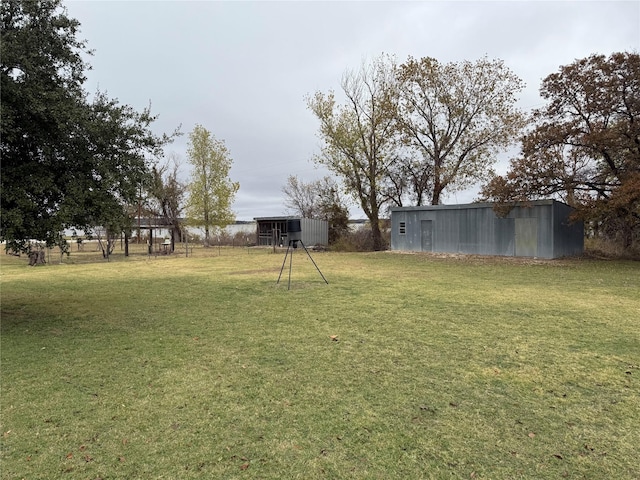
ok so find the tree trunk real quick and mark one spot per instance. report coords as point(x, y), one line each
point(437, 191)
point(376, 236)
point(36, 258)
point(206, 236)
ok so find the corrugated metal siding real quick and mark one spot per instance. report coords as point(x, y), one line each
point(504, 235)
point(568, 235)
point(446, 231)
point(541, 230)
point(314, 232)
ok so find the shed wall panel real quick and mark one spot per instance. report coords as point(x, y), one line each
point(568, 237)
point(539, 229)
point(504, 236)
point(467, 231)
point(526, 237)
point(446, 231)
point(426, 235)
point(314, 232)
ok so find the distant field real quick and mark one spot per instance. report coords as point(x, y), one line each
point(404, 366)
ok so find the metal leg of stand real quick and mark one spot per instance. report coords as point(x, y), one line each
point(290, 263)
point(314, 263)
point(283, 263)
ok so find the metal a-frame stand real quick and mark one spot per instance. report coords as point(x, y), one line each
point(292, 245)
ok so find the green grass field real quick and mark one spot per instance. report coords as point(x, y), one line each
point(202, 367)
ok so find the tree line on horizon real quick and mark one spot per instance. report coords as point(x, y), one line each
point(404, 134)
point(396, 135)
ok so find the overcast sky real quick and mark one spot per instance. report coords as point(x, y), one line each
point(242, 69)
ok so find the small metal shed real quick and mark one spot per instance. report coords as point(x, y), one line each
point(539, 228)
point(273, 231)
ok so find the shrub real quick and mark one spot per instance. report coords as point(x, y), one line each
point(359, 240)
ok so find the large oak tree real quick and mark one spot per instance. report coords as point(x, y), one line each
point(67, 161)
point(585, 145)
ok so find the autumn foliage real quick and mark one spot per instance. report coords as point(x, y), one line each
point(584, 147)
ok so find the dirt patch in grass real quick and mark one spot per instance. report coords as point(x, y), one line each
point(254, 272)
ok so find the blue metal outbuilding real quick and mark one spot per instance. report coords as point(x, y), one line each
point(541, 228)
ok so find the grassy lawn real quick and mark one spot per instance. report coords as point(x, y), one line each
point(202, 367)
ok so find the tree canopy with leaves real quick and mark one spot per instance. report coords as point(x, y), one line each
point(360, 144)
point(210, 190)
point(66, 161)
point(408, 133)
point(584, 147)
point(456, 118)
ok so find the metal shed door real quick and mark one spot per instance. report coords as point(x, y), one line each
point(526, 237)
point(426, 234)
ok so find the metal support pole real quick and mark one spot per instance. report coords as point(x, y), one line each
point(290, 264)
point(284, 262)
point(314, 263)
